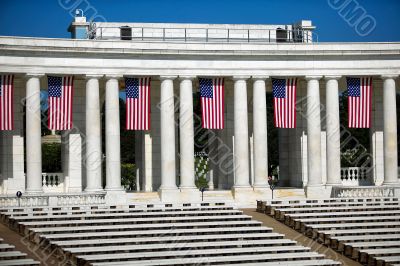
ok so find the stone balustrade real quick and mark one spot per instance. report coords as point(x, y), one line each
point(363, 192)
point(47, 199)
point(356, 176)
point(81, 199)
point(53, 182)
point(24, 201)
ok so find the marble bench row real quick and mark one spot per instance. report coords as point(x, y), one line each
point(9, 256)
point(172, 235)
point(368, 233)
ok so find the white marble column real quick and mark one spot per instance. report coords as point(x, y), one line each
point(260, 132)
point(186, 136)
point(33, 135)
point(113, 144)
point(313, 132)
point(241, 141)
point(168, 171)
point(93, 135)
point(332, 131)
point(389, 131)
point(213, 173)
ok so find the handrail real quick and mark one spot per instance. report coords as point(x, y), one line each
point(183, 34)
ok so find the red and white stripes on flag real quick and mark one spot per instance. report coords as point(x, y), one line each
point(212, 103)
point(60, 98)
point(137, 103)
point(284, 94)
point(6, 102)
point(360, 102)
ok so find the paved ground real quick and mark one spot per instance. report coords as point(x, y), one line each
point(23, 245)
point(300, 238)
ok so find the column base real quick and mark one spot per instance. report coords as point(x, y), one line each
point(115, 189)
point(190, 194)
point(262, 192)
point(116, 197)
point(260, 186)
point(334, 184)
point(89, 190)
point(318, 192)
point(396, 184)
point(169, 195)
point(243, 196)
point(34, 192)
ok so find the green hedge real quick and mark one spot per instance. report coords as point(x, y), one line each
point(128, 176)
point(51, 157)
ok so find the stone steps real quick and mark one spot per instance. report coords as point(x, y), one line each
point(10, 256)
point(159, 235)
point(168, 239)
point(210, 260)
point(367, 233)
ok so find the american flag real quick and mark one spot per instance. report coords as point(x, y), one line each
point(61, 91)
point(359, 96)
point(212, 102)
point(6, 102)
point(284, 93)
point(137, 103)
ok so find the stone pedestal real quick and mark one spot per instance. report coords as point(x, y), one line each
point(190, 195)
point(262, 193)
point(169, 195)
point(318, 192)
point(116, 197)
point(243, 195)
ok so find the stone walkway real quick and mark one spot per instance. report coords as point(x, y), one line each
point(300, 238)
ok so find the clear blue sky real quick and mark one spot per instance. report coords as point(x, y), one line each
point(47, 18)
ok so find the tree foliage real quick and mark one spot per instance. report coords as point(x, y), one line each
point(128, 176)
point(51, 157)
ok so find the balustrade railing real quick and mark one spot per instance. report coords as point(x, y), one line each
point(202, 34)
point(81, 199)
point(65, 199)
point(24, 201)
point(363, 192)
point(356, 176)
point(53, 182)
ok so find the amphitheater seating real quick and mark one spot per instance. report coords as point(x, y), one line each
point(10, 256)
point(365, 229)
point(164, 234)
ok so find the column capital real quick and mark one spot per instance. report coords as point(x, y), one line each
point(312, 77)
point(113, 76)
point(236, 78)
point(34, 75)
point(185, 77)
point(332, 77)
point(93, 76)
point(259, 77)
point(389, 76)
point(168, 77)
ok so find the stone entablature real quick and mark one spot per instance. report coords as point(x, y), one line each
point(80, 57)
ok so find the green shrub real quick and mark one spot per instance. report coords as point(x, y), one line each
point(128, 176)
point(201, 182)
point(51, 157)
